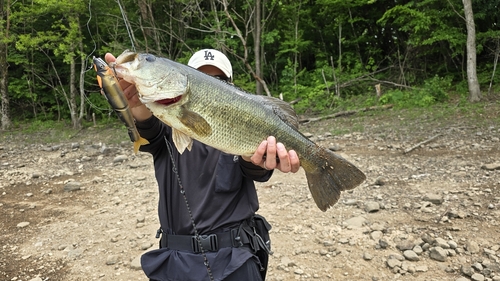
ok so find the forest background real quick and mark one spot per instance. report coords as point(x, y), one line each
point(321, 56)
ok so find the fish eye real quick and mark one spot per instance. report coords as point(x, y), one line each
point(150, 58)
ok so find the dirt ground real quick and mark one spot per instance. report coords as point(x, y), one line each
point(85, 209)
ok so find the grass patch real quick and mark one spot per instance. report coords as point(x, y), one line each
point(52, 132)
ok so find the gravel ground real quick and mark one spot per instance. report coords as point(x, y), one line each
point(85, 209)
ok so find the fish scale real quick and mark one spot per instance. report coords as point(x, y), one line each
point(229, 119)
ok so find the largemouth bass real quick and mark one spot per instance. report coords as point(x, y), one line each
point(198, 106)
point(116, 98)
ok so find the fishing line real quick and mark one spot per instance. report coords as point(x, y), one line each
point(92, 37)
point(89, 67)
point(127, 25)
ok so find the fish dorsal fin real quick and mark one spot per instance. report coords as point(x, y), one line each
point(181, 141)
point(195, 122)
point(283, 110)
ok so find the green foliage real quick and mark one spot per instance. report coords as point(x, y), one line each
point(309, 48)
point(434, 90)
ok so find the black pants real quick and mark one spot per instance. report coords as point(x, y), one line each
point(249, 271)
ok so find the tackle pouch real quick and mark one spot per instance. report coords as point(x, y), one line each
point(262, 228)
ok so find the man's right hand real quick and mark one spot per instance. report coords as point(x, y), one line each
point(139, 110)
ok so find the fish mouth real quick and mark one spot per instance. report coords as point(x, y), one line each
point(167, 102)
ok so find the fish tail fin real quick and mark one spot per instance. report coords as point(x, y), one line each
point(328, 176)
point(138, 143)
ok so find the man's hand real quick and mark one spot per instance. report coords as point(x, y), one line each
point(139, 110)
point(265, 157)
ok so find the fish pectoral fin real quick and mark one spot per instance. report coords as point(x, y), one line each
point(195, 122)
point(181, 141)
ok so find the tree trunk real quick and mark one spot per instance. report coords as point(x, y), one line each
point(73, 94)
point(256, 46)
point(4, 65)
point(474, 90)
point(82, 84)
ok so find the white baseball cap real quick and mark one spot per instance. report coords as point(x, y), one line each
point(212, 57)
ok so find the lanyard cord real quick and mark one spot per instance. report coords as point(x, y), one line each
point(183, 192)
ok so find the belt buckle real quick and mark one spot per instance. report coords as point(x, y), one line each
point(208, 243)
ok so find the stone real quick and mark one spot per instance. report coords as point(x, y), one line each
point(23, 224)
point(491, 167)
point(120, 159)
point(72, 186)
point(472, 247)
point(112, 259)
point(135, 264)
point(372, 207)
point(477, 277)
point(438, 253)
point(355, 222)
point(411, 255)
point(391, 263)
point(467, 270)
point(440, 242)
point(433, 198)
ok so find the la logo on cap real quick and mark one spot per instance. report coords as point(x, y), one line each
point(209, 56)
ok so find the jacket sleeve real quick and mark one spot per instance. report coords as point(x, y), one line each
point(254, 172)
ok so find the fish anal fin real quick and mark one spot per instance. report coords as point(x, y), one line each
point(195, 122)
point(181, 141)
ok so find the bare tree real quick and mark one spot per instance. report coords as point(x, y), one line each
point(4, 65)
point(244, 40)
point(474, 90)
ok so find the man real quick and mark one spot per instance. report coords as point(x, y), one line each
point(207, 198)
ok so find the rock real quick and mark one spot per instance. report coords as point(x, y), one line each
point(477, 277)
point(72, 186)
point(372, 207)
point(391, 263)
point(383, 243)
point(433, 198)
point(112, 259)
point(74, 253)
point(467, 270)
point(376, 235)
point(23, 224)
point(146, 245)
point(478, 266)
point(438, 253)
point(411, 255)
point(491, 167)
point(405, 245)
point(355, 222)
point(452, 244)
point(135, 264)
point(472, 247)
point(120, 159)
point(440, 242)
point(367, 256)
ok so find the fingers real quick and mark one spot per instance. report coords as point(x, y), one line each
point(273, 155)
point(271, 152)
point(109, 58)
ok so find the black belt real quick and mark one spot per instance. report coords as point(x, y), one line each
point(211, 242)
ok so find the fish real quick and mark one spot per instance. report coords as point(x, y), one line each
point(198, 106)
point(111, 89)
